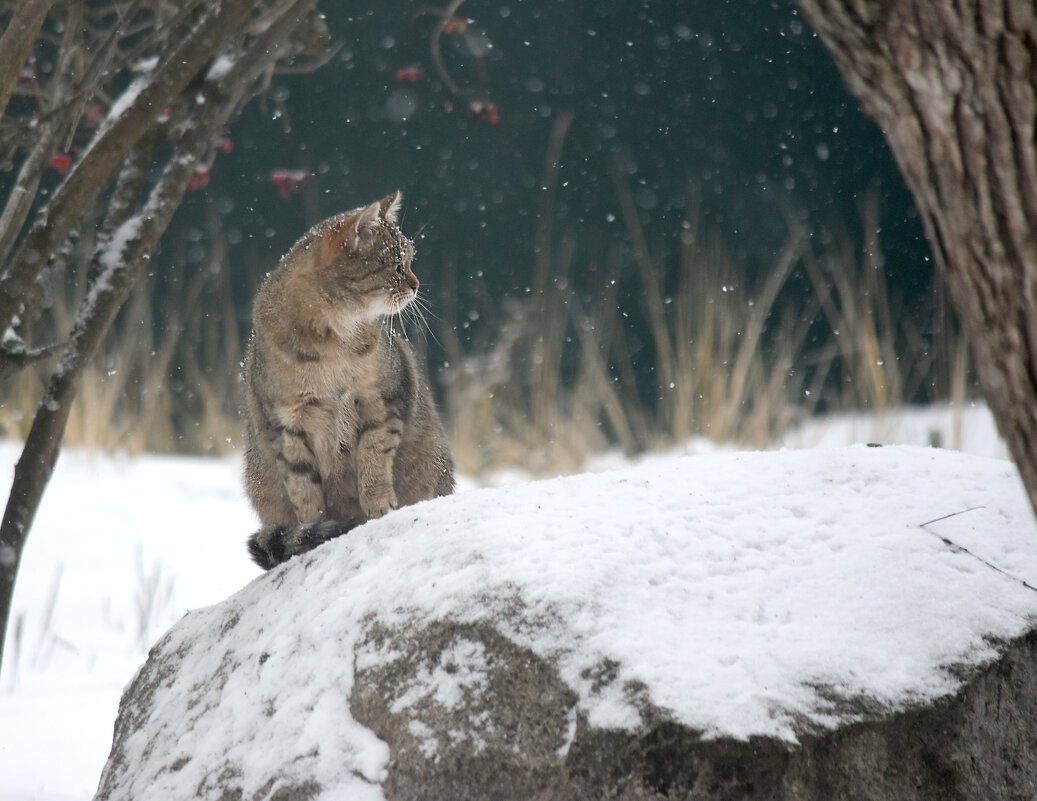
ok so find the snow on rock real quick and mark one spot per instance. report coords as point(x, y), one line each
point(688, 623)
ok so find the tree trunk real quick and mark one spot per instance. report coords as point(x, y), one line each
point(953, 86)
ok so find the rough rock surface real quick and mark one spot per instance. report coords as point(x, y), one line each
point(522, 739)
point(329, 678)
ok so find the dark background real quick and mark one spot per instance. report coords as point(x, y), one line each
point(730, 113)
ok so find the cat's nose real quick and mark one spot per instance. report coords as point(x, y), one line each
point(413, 282)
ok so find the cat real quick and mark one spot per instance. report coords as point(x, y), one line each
point(341, 426)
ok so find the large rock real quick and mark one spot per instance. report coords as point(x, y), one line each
point(798, 625)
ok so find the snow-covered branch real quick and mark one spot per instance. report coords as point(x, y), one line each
point(155, 107)
point(120, 132)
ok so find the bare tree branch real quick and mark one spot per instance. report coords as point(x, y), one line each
point(18, 294)
point(17, 42)
point(19, 202)
point(436, 50)
point(129, 238)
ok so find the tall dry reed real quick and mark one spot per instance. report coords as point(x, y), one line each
point(561, 372)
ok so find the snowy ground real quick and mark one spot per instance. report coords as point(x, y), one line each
point(123, 547)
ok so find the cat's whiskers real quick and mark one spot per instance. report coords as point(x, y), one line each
point(421, 230)
point(408, 309)
point(393, 318)
point(418, 309)
point(405, 314)
point(398, 315)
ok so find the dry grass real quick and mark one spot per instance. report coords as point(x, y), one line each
point(731, 360)
point(167, 377)
point(559, 375)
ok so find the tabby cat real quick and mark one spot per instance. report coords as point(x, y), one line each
point(340, 423)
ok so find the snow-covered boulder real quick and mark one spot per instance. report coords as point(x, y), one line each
point(848, 623)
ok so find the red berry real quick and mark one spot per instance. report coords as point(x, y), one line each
point(198, 181)
point(411, 73)
point(289, 182)
point(484, 110)
point(60, 162)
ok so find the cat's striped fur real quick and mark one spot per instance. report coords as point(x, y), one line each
point(340, 423)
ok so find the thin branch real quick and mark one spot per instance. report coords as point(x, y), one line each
point(952, 514)
point(19, 202)
point(161, 32)
point(649, 280)
point(21, 356)
point(18, 294)
point(436, 52)
point(967, 552)
point(99, 67)
point(549, 187)
point(17, 42)
point(310, 66)
point(266, 20)
point(102, 68)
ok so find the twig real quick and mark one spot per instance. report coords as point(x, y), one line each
point(648, 271)
point(436, 52)
point(18, 294)
point(16, 44)
point(966, 551)
point(21, 357)
point(310, 66)
point(952, 514)
point(549, 187)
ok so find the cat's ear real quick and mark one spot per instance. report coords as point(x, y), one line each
point(363, 229)
point(349, 231)
point(390, 206)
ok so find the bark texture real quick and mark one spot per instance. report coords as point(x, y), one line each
point(953, 86)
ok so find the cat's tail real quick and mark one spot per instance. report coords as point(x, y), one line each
point(272, 545)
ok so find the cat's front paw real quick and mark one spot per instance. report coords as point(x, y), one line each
point(378, 502)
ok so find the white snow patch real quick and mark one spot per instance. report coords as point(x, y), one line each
point(428, 743)
point(114, 254)
point(732, 585)
point(220, 67)
point(122, 103)
point(146, 64)
point(808, 562)
point(121, 548)
point(742, 591)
